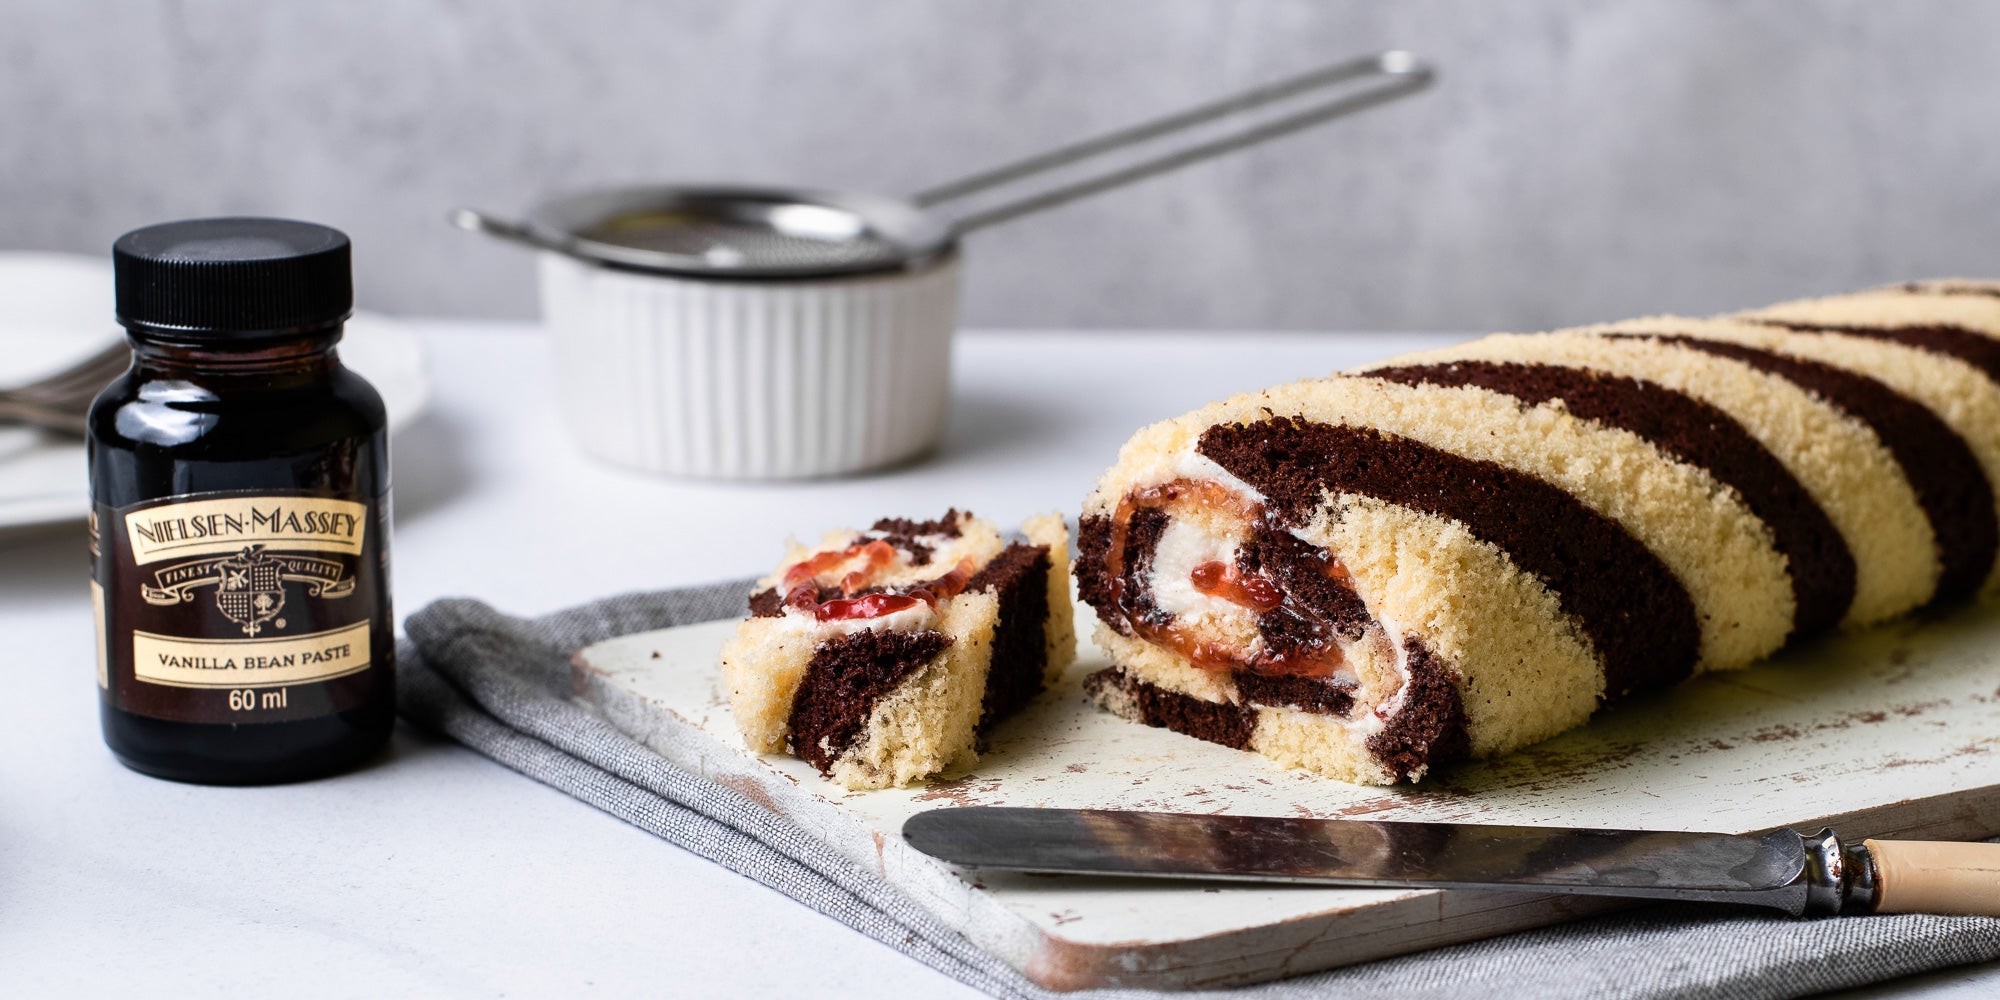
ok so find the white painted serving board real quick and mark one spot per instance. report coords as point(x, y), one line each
point(1892, 732)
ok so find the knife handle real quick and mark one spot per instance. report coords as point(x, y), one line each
point(1923, 876)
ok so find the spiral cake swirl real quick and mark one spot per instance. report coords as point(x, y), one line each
point(1462, 552)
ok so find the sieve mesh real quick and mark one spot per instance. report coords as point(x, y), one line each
point(730, 244)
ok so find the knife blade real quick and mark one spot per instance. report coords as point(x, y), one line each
point(1804, 875)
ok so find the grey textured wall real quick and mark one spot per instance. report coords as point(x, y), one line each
point(1581, 160)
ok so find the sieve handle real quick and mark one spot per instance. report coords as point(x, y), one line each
point(1397, 74)
point(475, 221)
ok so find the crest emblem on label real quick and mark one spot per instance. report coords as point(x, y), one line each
point(250, 585)
point(229, 607)
point(252, 590)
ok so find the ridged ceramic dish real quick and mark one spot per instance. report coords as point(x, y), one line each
point(751, 379)
point(733, 332)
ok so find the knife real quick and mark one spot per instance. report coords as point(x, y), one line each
point(1804, 875)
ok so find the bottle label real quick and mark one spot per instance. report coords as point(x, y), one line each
point(241, 607)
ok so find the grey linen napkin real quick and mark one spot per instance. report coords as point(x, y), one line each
point(500, 685)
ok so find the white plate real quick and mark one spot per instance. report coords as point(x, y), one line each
point(55, 309)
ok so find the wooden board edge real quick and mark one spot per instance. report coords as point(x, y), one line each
point(933, 886)
point(1310, 943)
point(1303, 944)
point(1313, 943)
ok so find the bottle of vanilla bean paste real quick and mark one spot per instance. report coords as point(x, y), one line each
point(239, 478)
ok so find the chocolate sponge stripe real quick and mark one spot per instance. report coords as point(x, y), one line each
point(844, 680)
point(1636, 613)
point(903, 532)
point(1698, 434)
point(1118, 604)
point(1093, 574)
point(1229, 725)
point(1019, 580)
point(1430, 729)
point(1973, 348)
point(1943, 288)
point(1951, 486)
point(767, 603)
point(1304, 694)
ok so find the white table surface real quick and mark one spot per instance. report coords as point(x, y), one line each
point(437, 872)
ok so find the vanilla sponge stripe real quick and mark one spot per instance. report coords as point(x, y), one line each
point(1958, 319)
point(1721, 554)
point(1528, 668)
point(1815, 557)
point(1964, 326)
point(1059, 629)
point(930, 721)
point(1939, 465)
point(1964, 398)
point(1961, 304)
point(1838, 458)
point(1636, 612)
point(1949, 341)
point(1947, 286)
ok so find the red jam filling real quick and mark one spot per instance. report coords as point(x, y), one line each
point(1222, 580)
point(871, 606)
point(946, 587)
point(1219, 579)
point(1203, 493)
point(805, 594)
point(1321, 660)
point(876, 555)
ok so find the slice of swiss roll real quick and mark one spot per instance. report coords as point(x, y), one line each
point(1465, 551)
point(881, 656)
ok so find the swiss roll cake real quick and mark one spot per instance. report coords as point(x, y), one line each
point(881, 657)
point(1462, 552)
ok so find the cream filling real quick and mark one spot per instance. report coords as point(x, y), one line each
point(804, 623)
point(1388, 638)
point(1183, 547)
point(1376, 665)
point(976, 541)
point(1195, 467)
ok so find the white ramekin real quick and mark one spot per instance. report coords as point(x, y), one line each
point(751, 379)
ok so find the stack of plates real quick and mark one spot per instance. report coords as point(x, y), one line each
point(55, 310)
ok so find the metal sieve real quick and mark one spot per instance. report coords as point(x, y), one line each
point(784, 233)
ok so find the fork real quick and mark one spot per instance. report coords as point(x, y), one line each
point(61, 401)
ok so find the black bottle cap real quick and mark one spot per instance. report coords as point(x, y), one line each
point(232, 279)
